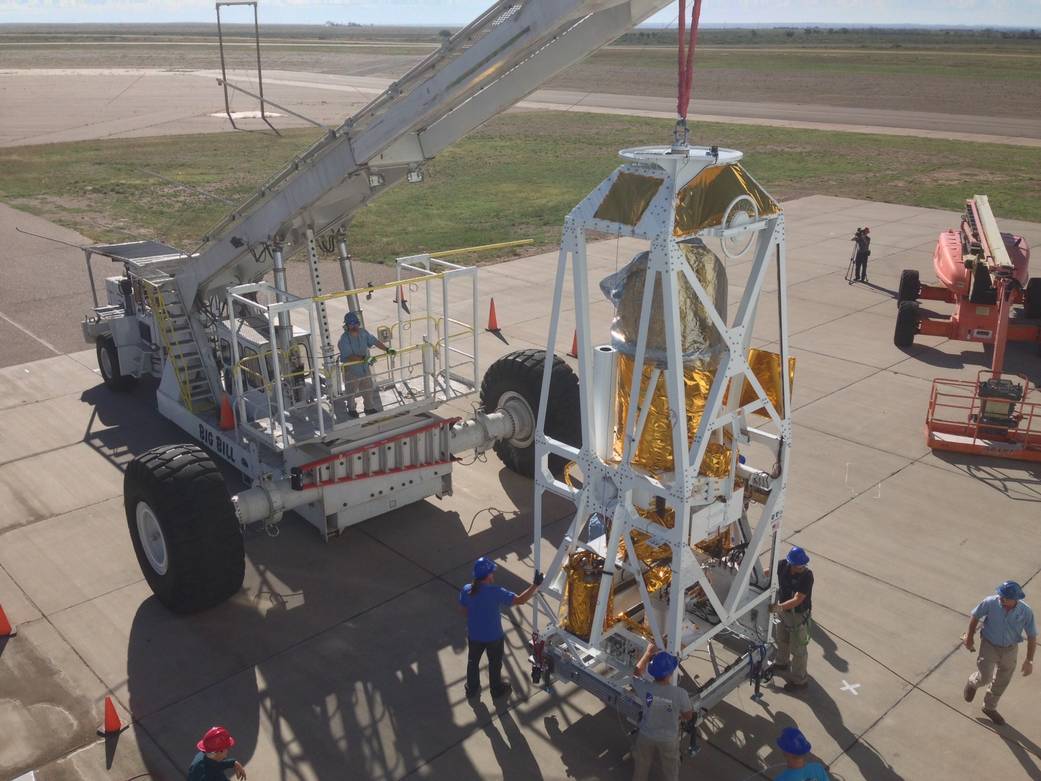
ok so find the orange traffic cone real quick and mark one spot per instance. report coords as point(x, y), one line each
point(574, 347)
point(6, 629)
point(112, 725)
point(493, 322)
point(226, 422)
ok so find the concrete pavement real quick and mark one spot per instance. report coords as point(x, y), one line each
point(346, 659)
point(125, 103)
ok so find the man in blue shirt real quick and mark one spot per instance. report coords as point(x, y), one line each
point(212, 763)
point(354, 357)
point(482, 601)
point(1005, 620)
point(796, 750)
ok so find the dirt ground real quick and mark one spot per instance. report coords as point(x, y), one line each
point(985, 84)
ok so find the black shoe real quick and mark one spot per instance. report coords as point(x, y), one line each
point(352, 413)
point(501, 691)
point(370, 412)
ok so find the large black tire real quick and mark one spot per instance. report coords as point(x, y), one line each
point(183, 526)
point(108, 364)
point(1032, 299)
point(520, 374)
point(907, 319)
point(910, 287)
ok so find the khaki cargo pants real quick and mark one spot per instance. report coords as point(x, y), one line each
point(667, 752)
point(793, 640)
point(995, 666)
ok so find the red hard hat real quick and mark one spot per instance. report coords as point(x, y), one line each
point(215, 739)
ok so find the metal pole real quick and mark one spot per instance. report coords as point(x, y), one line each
point(347, 272)
point(223, 69)
point(260, 74)
point(285, 324)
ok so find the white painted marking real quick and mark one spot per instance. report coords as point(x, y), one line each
point(850, 687)
point(31, 335)
point(246, 114)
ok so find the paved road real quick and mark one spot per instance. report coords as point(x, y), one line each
point(122, 103)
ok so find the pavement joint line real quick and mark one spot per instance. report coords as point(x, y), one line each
point(884, 582)
point(59, 515)
point(292, 646)
point(31, 335)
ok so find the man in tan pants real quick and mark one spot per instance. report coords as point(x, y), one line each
point(665, 705)
point(1005, 620)
point(794, 602)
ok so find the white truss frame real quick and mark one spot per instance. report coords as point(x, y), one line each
point(701, 504)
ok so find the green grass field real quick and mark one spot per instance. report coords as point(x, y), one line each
point(515, 178)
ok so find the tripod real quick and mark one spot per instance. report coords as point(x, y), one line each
point(849, 270)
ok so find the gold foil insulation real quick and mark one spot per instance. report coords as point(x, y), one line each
point(584, 571)
point(766, 366)
point(654, 450)
point(628, 198)
point(704, 200)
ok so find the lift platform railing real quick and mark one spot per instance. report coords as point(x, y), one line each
point(956, 408)
point(284, 400)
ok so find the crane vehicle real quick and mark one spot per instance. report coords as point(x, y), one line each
point(985, 274)
point(662, 451)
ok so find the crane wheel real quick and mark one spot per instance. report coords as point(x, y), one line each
point(108, 364)
point(184, 529)
point(1032, 299)
point(519, 374)
point(910, 287)
point(907, 320)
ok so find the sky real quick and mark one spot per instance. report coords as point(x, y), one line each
point(993, 13)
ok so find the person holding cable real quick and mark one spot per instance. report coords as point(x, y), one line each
point(665, 705)
point(794, 602)
point(1006, 618)
point(354, 347)
point(482, 601)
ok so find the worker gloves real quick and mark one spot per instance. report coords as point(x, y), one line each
point(539, 577)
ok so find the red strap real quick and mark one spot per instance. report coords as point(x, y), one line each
point(685, 60)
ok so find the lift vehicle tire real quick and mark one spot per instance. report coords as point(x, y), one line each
point(108, 364)
point(184, 529)
point(907, 319)
point(910, 286)
point(1032, 299)
point(520, 373)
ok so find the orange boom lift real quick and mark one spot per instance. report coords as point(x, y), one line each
point(984, 274)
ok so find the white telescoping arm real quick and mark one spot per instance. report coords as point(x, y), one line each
point(490, 65)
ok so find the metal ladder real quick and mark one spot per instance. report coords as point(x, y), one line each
point(422, 447)
point(171, 320)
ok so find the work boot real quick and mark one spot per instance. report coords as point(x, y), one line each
point(994, 716)
point(792, 687)
point(502, 691)
point(370, 412)
point(969, 692)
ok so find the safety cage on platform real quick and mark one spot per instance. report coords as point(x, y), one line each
point(293, 388)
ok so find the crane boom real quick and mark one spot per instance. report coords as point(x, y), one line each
point(482, 70)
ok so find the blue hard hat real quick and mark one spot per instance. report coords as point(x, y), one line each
point(798, 557)
point(792, 741)
point(663, 664)
point(351, 318)
point(1011, 590)
point(483, 568)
